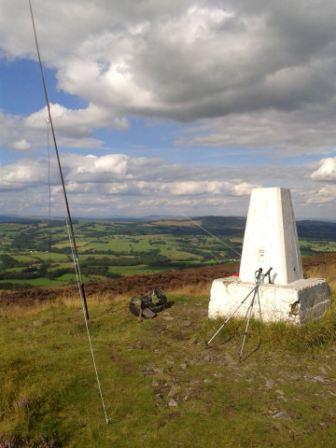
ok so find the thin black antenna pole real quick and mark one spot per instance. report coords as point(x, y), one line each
point(49, 189)
point(69, 221)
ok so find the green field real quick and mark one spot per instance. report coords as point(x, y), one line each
point(162, 387)
point(37, 253)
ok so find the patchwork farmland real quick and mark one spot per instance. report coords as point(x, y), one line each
point(37, 252)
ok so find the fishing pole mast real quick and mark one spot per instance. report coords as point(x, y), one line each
point(69, 222)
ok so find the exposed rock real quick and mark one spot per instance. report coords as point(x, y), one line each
point(281, 415)
point(153, 370)
point(319, 379)
point(186, 323)
point(172, 403)
point(175, 389)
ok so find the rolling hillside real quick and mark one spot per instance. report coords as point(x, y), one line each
point(37, 253)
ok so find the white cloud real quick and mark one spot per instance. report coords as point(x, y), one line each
point(186, 60)
point(161, 189)
point(323, 193)
point(74, 127)
point(75, 122)
point(21, 145)
point(320, 198)
point(116, 171)
point(326, 171)
point(299, 132)
point(26, 172)
point(117, 184)
point(117, 180)
point(97, 169)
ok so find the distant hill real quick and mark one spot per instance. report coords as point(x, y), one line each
point(219, 225)
point(17, 219)
point(235, 225)
point(36, 252)
point(319, 230)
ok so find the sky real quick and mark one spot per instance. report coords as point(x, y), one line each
point(174, 108)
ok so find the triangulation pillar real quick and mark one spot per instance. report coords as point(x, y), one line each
point(271, 241)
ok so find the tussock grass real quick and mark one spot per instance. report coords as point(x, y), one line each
point(325, 270)
point(290, 338)
point(163, 386)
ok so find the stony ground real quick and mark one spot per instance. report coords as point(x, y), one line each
point(163, 386)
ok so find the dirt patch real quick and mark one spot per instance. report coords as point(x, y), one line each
point(137, 284)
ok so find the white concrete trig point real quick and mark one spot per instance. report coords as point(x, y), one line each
point(271, 240)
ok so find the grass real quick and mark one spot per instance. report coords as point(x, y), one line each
point(133, 270)
point(42, 281)
point(162, 386)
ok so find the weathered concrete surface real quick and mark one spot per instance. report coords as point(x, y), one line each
point(296, 302)
point(270, 238)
